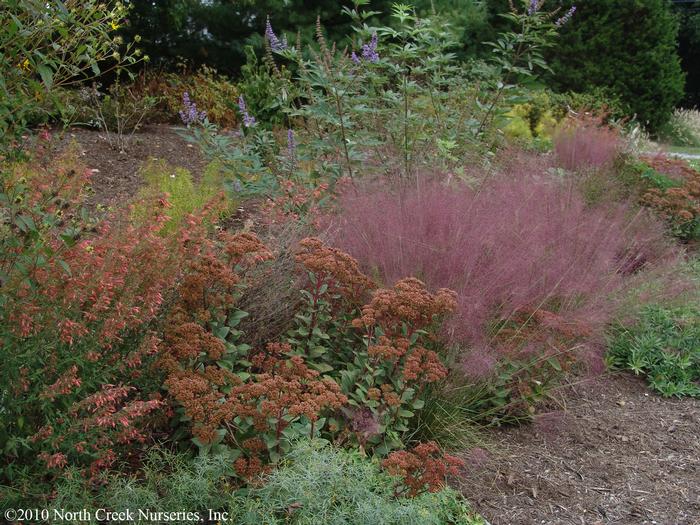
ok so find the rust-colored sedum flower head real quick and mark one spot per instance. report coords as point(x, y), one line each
point(409, 303)
point(336, 268)
point(424, 468)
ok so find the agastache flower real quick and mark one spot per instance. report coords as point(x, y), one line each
point(190, 115)
point(369, 51)
point(567, 16)
point(248, 119)
point(275, 43)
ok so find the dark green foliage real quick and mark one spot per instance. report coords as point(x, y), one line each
point(628, 48)
point(664, 346)
point(469, 21)
point(689, 51)
point(217, 32)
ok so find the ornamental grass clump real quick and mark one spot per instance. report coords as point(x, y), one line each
point(535, 269)
point(585, 142)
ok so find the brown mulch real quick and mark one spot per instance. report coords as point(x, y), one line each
point(617, 454)
point(116, 176)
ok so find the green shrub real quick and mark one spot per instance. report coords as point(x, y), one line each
point(168, 482)
point(664, 346)
point(315, 484)
point(626, 47)
point(46, 45)
point(260, 86)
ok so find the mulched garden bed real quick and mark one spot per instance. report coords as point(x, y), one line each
point(117, 177)
point(617, 454)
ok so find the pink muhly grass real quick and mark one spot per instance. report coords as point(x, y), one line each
point(585, 143)
point(516, 244)
point(478, 364)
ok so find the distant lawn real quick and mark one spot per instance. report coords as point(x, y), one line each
point(682, 149)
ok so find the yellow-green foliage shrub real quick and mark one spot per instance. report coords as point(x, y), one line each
point(532, 120)
point(183, 194)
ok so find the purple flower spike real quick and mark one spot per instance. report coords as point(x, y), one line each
point(369, 51)
point(275, 43)
point(354, 58)
point(189, 114)
point(291, 144)
point(534, 6)
point(248, 119)
point(567, 16)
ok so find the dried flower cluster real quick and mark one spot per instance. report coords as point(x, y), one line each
point(423, 468)
point(409, 303)
point(680, 205)
point(276, 389)
point(336, 269)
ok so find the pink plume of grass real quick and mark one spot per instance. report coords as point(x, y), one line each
point(515, 244)
point(585, 143)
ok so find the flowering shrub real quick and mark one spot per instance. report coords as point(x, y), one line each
point(391, 100)
point(675, 195)
point(77, 301)
point(533, 266)
point(40, 55)
point(351, 369)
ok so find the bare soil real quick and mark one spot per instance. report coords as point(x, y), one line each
point(116, 176)
point(616, 454)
